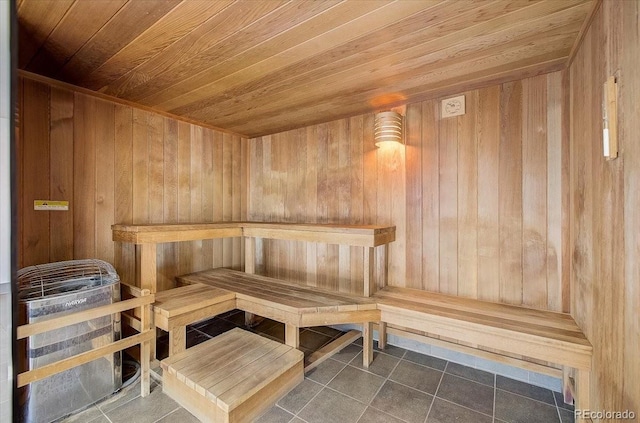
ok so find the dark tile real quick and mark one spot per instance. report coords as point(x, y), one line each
point(566, 416)
point(348, 353)
point(313, 340)
point(416, 376)
point(469, 394)
point(264, 325)
point(391, 350)
point(470, 373)
point(299, 396)
point(514, 408)
point(357, 384)
point(142, 410)
point(381, 365)
point(426, 360)
point(274, 331)
point(326, 330)
point(371, 415)
point(445, 412)
point(525, 389)
point(330, 407)
point(297, 420)
point(359, 342)
point(275, 415)
point(195, 337)
point(402, 402)
point(215, 327)
point(235, 318)
point(326, 371)
point(179, 416)
point(560, 402)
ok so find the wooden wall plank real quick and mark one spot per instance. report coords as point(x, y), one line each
point(61, 180)
point(534, 192)
point(488, 132)
point(468, 199)
point(430, 195)
point(84, 176)
point(169, 198)
point(124, 260)
point(104, 178)
point(35, 172)
point(448, 201)
point(510, 194)
point(414, 151)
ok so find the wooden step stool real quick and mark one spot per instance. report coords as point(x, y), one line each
point(233, 377)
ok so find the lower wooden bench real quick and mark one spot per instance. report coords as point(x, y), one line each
point(538, 334)
point(176, 308)
point(233, 377)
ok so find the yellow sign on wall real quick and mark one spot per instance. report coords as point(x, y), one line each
point(50, 205)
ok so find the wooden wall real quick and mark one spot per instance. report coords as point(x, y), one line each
point(605, 206)
point(480, 201)
point(120, 164)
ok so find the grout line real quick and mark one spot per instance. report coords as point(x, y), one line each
point(435, 394)
point(495, 394)
point(557, 408)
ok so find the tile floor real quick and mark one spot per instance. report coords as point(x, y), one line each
point(400, 386)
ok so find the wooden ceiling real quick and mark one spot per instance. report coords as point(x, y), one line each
point(259, 67)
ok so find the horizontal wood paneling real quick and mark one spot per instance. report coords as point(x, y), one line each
point(605, 204)
point(471, 195)
point(261, 67)
point(119, 164)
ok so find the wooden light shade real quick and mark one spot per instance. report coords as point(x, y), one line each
point(387, 128)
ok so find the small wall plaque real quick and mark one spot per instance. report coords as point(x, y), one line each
point(453, 106)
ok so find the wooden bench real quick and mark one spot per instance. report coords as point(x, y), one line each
point(543, 335)
point(294, 305)
point(174, 309)
point(233, 377)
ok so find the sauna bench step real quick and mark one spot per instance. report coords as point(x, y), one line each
point(233, 377)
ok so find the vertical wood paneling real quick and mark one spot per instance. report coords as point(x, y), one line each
point(534, 192)
point(510, 194)
point(457, 193)
point(61, 188)
point(448, 201)
point(430, 196)
point(118, 164)
point(488, 133)
point(35, 172)
point(468, 199)
point(105, 178)
point(84, 176)
point(604, 206)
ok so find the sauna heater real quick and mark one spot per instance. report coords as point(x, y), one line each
point(54, 290)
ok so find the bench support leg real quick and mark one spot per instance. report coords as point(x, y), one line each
point(382, 335)
point(582, 389)
point(367, 344)
point(576, 386)
point(292, 336)
point(177, 340)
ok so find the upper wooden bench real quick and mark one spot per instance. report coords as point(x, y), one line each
point(146, 237)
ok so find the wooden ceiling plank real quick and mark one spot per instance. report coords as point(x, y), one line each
point(130, 21)
point(510, 31)
point(241, 35)
point(444, 22)
point(549, 62)
point(217, 27)
point(554, 45)
point(329, 29)
point(79, 24)
point(176, 24)
point(37, 19)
